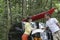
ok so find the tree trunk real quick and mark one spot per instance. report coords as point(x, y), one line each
point(9, 17)
point(24, 8)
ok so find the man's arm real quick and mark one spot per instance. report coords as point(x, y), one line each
point(58, 24)
point(17, 28)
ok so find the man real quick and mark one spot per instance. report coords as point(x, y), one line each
point(54, 26)
point(28, 29)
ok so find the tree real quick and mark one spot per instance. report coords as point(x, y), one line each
point(9, 22)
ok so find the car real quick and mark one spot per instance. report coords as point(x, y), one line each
point(17, 30)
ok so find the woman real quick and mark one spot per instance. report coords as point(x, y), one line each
point(28, 29)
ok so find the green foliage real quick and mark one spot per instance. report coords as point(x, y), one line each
point(20, 9)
